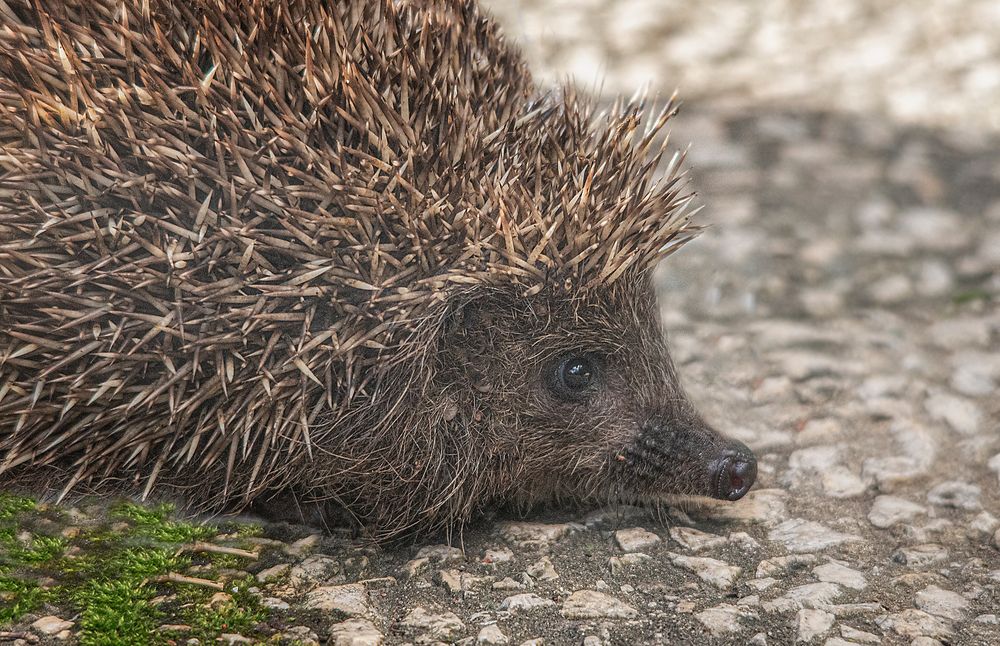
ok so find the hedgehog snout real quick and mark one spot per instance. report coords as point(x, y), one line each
point(713, 465)
point(733, 472)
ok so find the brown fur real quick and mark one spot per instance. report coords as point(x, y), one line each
point(324, 247)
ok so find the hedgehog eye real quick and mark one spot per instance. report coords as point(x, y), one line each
point(574, 377)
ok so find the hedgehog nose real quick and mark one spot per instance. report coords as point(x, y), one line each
point(733, 472)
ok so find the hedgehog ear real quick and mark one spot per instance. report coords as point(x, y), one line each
point(462, 317)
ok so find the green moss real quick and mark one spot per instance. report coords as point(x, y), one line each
point(238, 615)
point(40, 550)
point(116, 612)
point(110, 577)
point(154, 523)
point(228, 561)
point(132, 563)
point(18, 597)
point(249, 530)
point(11, 505)
point(226, 617)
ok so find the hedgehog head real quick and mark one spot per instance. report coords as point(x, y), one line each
point(578, 398)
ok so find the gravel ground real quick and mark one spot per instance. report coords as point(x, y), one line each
point(841, 316)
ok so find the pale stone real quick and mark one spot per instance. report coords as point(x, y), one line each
point(590, 604)
point(811, 595)
point(533, 535)
point(892, 289)
point(51, 625)
point(414, 567)
point(889, 510)
point(814, 459)
point(961, 414)
point(723, 619)
point(762, 584)
point(508, 583)
point(636, 539)
point(860, 636)
point(303, 545)
point(813, 623)
point(314, 570)
point(543, 570)
point(695, 539)
point(973, 381)
point(942, 603)
point(955, 494)
point(444, 626)
point(983, 525)
point(491, 635)
point(301, 636)
point(497, 556)
point(799, 535)
point(743, 540)
point(758, 506)
point(274, 603)
point(920, 555)
point(457, 580)
point(842, 575)
point(618, 564)
point(718, 573)
point(915, 623)
point(889, 472)
point(525, 602)
point(350, 599)
point(994, 465)
point(840, 482)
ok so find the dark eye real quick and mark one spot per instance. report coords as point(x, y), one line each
point(577, 373)
point(575, 376)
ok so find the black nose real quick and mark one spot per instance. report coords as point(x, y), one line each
point(734, 473)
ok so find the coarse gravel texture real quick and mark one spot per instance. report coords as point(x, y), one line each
point(841, 316)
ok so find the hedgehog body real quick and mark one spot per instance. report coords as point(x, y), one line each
point(344, 250)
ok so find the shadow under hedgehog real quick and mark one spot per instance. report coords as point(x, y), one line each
point(343, 251)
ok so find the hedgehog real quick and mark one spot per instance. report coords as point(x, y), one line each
point(333, 255)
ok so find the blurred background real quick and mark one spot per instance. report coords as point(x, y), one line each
point(935, 62)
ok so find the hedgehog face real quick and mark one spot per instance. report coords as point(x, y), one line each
point(580, 399)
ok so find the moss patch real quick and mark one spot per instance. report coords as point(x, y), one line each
point(112, 573)
point(18, 597)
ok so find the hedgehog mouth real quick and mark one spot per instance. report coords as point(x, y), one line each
point(733, 474)
point(665, 460)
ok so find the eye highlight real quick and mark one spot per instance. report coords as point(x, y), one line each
point(575, 377)
point(576, 373)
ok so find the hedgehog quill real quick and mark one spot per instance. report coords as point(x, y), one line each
point(339, 253)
